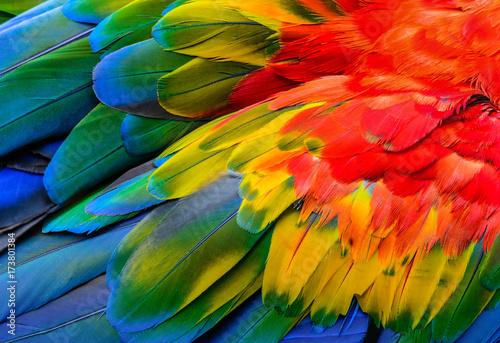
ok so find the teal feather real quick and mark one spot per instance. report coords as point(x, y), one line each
point(146, 135)
point(37, 36)
point(53, 93)
point(33, 12)
point(48, 266)
point(78, 316)
point(91, 11)
point(128, 197)
point(91, 154)
point(73, 218)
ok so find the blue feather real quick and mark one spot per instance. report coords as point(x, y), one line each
point(53, 30)
point(31, 13)
point(351, 329)
point(485, 328)
point(77, 316)
point(128, 197)
point(48, 266)
point(127, 79)
point(22, 196)
point(47, 150)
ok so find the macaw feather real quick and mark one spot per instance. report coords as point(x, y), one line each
point(490, 270)
point(201, 87)
point(74, 218)
point(42, 261)
point(256, 215)
point(186, 237)
point(4, 17)
point(61, 319)
point(465, 304)
point(128, 245)
point(125, 198)
point(47, 150)
point(340, 282)
point(26, 161)
point(21, 187)
point(339, 156)
point(185, 168)
point(351, 329)
point(484, 329)
point(56, 94)
point(284, 11)
point(18, 7)
point(257, 324)
point(100, 155)
point(137, 14)
point(218, 300)
point(125, 80)
point(143, 136)
point(53, 31)
point(40, 8)
point(209, 30)
point(295, 255)
point(92, 11)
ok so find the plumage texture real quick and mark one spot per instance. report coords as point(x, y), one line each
point(329, 160)
point(74, 317)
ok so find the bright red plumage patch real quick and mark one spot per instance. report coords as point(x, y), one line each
point(404, 101)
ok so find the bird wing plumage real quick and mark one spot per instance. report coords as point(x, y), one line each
point(239, 166)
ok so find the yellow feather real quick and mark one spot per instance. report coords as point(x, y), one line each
point(187, 171)
point(378, 299)
point(255, 215)
point(415, 292)
point(353, 279)
point(296, 251)
point(254, 185)
point(195, 136)
point(284, 11)
point(449, 280)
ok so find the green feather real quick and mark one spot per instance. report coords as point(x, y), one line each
point(490, 271)
point(225, 294)
point(141, 14)
point(128, 245)
point(4, 16)
point(37, 36)
point(465, 304)
point(207, 29)
point(145, 135)
point(16, 7)
point(53, 93)
point(73, 218)
point(193, 245)
point(494, 302)
point(92, 153)
point(200, 87)
point(92, 11)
